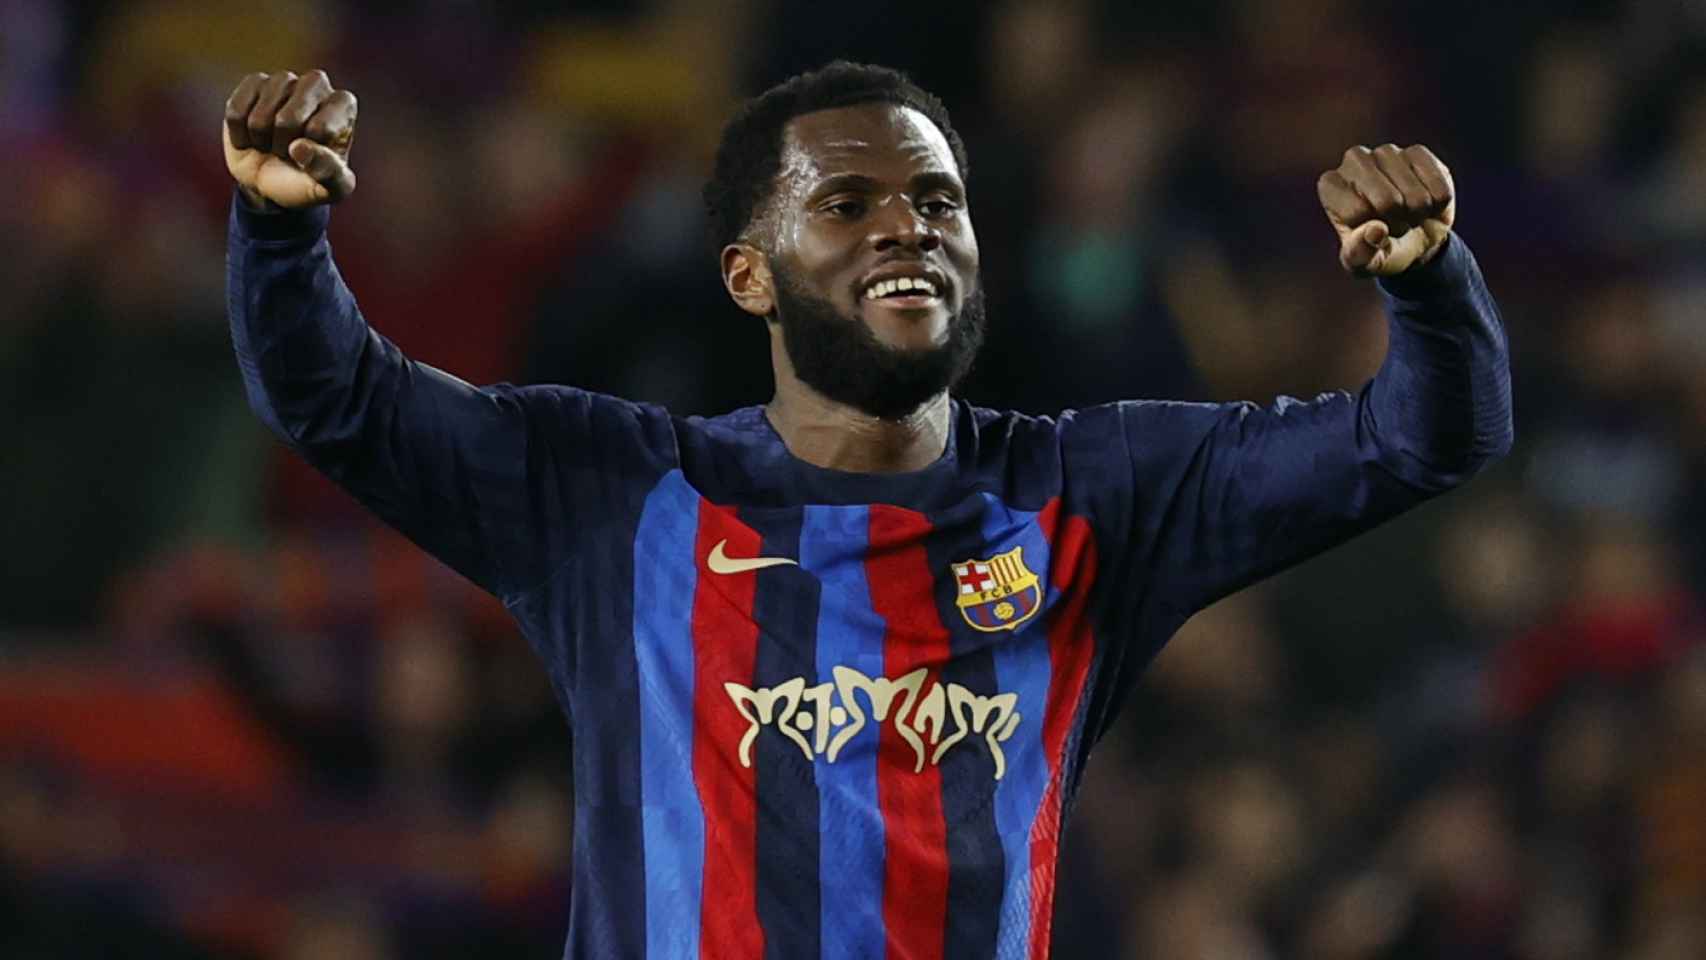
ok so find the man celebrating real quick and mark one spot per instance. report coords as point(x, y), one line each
point(833, 665)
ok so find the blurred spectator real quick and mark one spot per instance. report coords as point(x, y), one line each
point(339, 929)
point(238, 719)
point(1624, 616)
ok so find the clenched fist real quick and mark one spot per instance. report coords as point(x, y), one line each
point(1392, 208)
point(287, 139)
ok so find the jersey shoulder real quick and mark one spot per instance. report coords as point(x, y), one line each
point(569, 425)
point(1092, 438)
point(1032, 458)
point(1150, 434)
point(1099, 456)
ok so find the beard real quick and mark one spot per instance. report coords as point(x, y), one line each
point(841, 358)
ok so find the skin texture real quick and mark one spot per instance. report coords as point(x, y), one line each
point(862, 189)
point(1392, 208)
point(287, 139)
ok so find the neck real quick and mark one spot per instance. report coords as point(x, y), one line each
point(833, 435)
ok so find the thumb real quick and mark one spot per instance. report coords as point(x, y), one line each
point(324, 165)
point(1361, 250)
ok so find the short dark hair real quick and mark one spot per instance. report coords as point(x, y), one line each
point(750, 154)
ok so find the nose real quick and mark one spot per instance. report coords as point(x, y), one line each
point(899, 224)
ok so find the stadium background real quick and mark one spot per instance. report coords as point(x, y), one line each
point(238, 719)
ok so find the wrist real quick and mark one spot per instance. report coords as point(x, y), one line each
point(255, 202)
point(1439, 272)
point(271, 222)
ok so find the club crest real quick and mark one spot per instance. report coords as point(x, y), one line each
point(999, 593)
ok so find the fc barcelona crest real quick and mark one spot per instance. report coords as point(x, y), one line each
point(999, 593)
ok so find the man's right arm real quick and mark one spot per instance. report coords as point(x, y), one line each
point(482, 478)
point(440, 460)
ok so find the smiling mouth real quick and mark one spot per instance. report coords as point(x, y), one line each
point(904, 293)
point(902, 288)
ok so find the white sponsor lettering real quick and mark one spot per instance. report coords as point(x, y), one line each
point(834, 713)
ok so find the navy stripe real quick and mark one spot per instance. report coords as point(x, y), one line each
point(785, 606)
point(976, 861)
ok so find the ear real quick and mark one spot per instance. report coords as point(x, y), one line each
point(746, 275)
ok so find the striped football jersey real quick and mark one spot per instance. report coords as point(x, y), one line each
point(840, 715)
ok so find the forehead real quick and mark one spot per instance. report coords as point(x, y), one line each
point(870, 139)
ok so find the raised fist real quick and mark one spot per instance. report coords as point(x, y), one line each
point(287, 139)
point(1392, 208)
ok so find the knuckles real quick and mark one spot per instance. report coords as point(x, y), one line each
point(1406, 186)
point(1387, 203)
point(1361, 169)
point(264, 101)
point(237, 104)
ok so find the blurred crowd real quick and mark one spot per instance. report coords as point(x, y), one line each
point(240, 719)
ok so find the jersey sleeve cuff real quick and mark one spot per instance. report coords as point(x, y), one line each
point(277, 225)
point(1447, 272)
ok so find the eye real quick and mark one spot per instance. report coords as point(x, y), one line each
point(938, 207)
point(845, 209)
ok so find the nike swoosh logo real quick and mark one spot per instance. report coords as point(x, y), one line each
point(719, 562)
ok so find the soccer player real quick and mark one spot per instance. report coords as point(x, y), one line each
point(833, 664)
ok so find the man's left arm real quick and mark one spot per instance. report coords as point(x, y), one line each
point(1262, 488)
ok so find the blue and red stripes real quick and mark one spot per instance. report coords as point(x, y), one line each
point(863, 851)
point(1072, 572)
point(916, 868)
point(725, 647)
point(976, 858)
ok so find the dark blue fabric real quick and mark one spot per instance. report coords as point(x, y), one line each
point(785, 605)
point(536, 493)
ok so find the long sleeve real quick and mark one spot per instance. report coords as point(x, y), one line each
point(1230, 493)
point(449, 465)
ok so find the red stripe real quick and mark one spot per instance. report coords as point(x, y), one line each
point(725, 648)
point(1072, 571)
point(915, 866)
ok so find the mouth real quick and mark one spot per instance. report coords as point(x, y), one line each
point(903, 303)
point(915, 288)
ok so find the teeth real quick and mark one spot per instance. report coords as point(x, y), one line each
point(883, 288)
